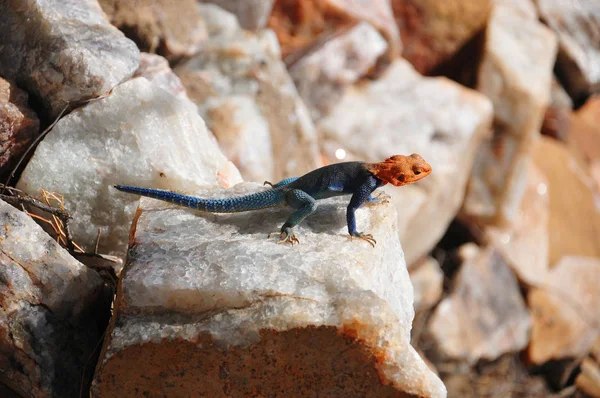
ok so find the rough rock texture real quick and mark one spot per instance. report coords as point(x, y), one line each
point(171, 28)
point(427, 279)
point(230, 310)
point(298, 23)
point(485, 315)
point(574, 224)
point(525, 244)
point(584, 134)
point(250, 103)
point(47, 331)
point(516, 74)
point(251, 14)
point(432, 30)
point(331, 66)
point(403, 113)
point(577, 24)
point(19, 125)
point(565, 310)
point(557, 119)
point(63, 51)
point(156, 69)
point(139, 135)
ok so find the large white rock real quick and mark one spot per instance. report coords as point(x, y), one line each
point(403, 113)
point(63, 51)
point(47, 305)
point(139, 135)
point(228, 308)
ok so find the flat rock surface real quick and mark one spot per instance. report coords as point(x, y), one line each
point(63, 51)
point(46, 299)
point(404, 113)
point(139, 135)
point(204, 282)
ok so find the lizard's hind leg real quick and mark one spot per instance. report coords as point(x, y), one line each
point(305, 205)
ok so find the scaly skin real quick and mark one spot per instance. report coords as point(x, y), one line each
point(358, 179)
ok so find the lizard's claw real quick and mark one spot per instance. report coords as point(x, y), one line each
point(366, 237)
point(268, 183)
point(379, 199)
point(286, 236)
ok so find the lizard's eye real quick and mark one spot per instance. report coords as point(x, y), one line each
point(417, 172)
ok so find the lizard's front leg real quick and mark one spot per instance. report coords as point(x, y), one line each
point(305, 205)
point(361, 195)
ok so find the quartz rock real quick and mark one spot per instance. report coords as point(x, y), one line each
point(584, 134)
point(251, 14)
point(526, 8)
point(565, 310)
point(322, 76)
point(525, 244)
point(299, 23)
point(63, 51)
point(433, 31)
point(47, 300)
point(139, 135)
point(574, 225)
point(427, 279)
point(404, 113)
point(577, 24)
point(172, 28)
point(156, 69)
point(485, 316)
point(218, 21)
point(516, 74)
point(228, 308)
point(19, 125)
point(248, 100)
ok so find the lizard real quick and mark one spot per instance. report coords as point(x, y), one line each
point(359, 179)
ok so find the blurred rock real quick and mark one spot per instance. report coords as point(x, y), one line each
point(427, 279)
point(584, 134)
point(172, 28)
point(516, 74)
point(156, 69)
point(577, 24)
point(565, 310)
point(574, 224)
point(63, 51)
point(230, 310)
point(588, 380)
point(557, 119)
point(19, 125)
point(404, 113)
point(485, 316)
point(525, 8)
point(298, 23)
point(47, 305)
point(139, 135)
point(251, 14)
point(525, 243)
point(248, 100)
point(433, 31)
point(331, 66)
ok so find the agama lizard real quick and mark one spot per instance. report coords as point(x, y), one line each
point(358, 179)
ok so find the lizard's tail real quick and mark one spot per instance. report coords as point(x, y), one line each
point(255, 201)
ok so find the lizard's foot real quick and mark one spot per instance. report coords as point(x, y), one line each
point(286, 236)
point(366, 237)
point(379, 199)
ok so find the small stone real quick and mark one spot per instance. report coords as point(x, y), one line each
point(251, 14)
point(404, 113)
point(432, 31)
point(218, 21)
point(174, 29)
point(19, 125)
point(248, 100)
point(211, 304)
point(485, 316)
point(139, 135)
point(525, 244)
point(63, 51)
point(427, 279)
point(565, 310)
point(516, 74)
point(156, 69)
point(48, 302)
point(299, 23)
point(328, 69)
point(557, 119)
point(574, 225)
point(577, 24)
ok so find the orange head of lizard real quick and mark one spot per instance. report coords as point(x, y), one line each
point(400, 170)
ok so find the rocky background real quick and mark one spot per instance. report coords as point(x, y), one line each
point(485, 278)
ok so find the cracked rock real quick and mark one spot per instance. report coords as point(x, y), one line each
point(229, 309)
